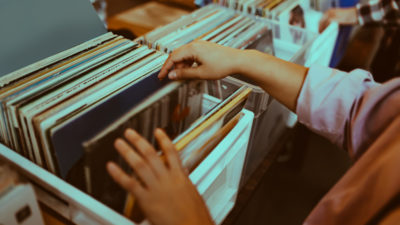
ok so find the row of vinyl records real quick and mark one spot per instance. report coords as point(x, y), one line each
point(215, 24)
point(223, 26)
point(296, 13)
point(65, 112)
point(266, 8)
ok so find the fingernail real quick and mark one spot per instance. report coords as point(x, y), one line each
point(157, 131)
point(172, 75)
point(117, 142)
point(130, 131)
point(111, 167)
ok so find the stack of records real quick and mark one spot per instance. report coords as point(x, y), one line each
point(296, 13)
point(65, 112)
point(215, 24)
point(265, 8)
point(47, 113)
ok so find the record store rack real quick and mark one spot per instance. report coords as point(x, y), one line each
point(309, 48)
point(217, 177)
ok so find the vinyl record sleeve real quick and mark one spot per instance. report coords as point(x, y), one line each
point(189, 33)
point(212, 33)
point(178, 24)
point(54, 113)
point(228, 28)
point(41, 84)
point(62, 94)
point(193, 157)
point(233, 31)
point(67, 139)
point(208, 130)
point(143, 118)
point(42, 74)
point(41, 88)
point(19, 129)
point(93, 100)
point(229, 108)
point(182, 24)
point(204, 27)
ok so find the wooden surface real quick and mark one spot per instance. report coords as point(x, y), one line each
point(146, 17)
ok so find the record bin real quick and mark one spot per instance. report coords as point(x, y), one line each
point(217, 179)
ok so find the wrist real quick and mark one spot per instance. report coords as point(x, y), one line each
point(252, 63)
point(243, 59)
point(237, 61)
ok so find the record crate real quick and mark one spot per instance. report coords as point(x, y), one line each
point(217, 179)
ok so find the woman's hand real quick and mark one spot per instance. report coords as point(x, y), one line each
point(343, 16)
point(201, 60)
point(163, 190)
point(204, 60)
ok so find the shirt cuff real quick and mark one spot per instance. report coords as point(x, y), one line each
point(308, 101)
point(326, 99)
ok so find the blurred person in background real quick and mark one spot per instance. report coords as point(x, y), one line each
point(384, 13)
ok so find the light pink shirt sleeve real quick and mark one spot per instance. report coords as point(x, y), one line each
point(363, 117)
point(327, 99)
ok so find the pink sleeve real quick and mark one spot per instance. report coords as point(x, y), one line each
point(327, 99)
point(363, 117)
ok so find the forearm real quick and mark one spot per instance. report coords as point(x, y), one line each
point(345, 16)
point(281, 79)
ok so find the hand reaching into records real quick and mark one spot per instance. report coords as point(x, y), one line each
point(205, 60)
point(163, 189)
point(201, 60)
